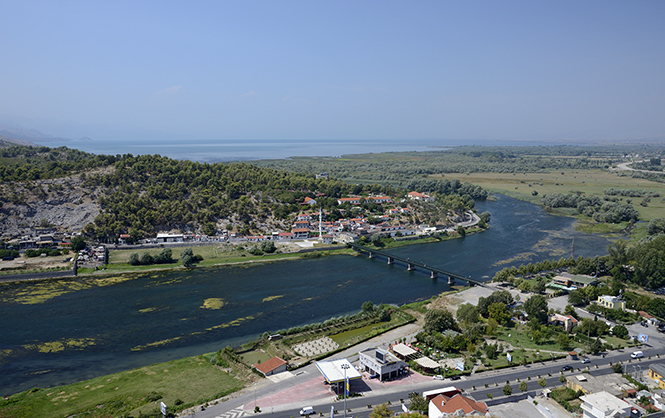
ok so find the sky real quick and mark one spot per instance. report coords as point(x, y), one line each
point(325, 70)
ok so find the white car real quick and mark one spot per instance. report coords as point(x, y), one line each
point(586, 360)
point(438, 377)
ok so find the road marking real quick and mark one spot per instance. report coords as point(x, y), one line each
point(238, 412)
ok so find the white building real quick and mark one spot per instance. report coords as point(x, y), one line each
point(604, 405)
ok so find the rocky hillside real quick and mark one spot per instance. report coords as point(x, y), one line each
point(63, 203)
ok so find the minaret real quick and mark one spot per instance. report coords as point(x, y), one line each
point(320, 226)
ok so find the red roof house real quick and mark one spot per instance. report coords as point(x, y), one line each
point(444, 405)
point(273, 366)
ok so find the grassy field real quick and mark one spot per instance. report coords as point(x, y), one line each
point(189, 381)
point(591, 182)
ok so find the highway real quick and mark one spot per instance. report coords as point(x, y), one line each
point(494, 380)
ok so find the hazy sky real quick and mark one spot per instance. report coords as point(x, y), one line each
point(335, 69)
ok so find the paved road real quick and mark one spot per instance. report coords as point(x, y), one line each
point(495, 380)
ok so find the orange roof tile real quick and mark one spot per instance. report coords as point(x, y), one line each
point(270, 365)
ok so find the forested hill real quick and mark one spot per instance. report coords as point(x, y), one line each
point(143, 195)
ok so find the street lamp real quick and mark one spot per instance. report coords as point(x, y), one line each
point(345, 367)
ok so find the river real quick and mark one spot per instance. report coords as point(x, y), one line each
point(59, 332)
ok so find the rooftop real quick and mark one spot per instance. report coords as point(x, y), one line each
point(451, 405)
point(269, 365)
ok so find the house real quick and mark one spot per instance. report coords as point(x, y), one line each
point(604, 405)
point(309, 201)
point(273, 366)
point(300, 232)
point(648, 318)
point(352, 200)
point(170, 237)
point(568, 322)
point(442, 406)
point(420, 196)
point(322, 176)
point(381, 363)
point(611, 302)
point(657, 373)
point(284, 236)
point(614, 384)
point(381, 199)
point(327, 239)
point(569, 281)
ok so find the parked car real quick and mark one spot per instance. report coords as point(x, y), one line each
point(438, 377)
point(566, 368)
point(586, 360)
point(456, 377)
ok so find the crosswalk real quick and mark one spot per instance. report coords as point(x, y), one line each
point(238, 412)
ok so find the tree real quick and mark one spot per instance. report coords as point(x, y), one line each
point(187, 257)
point(418, 402)
point(499, 312)
point(147, 259)
point(439, 320)
point(542, 382)
point(368, 308)
point(620, 331)
point(539, 286)
point(134, 259)
point(617, 368)
point(523, 386)
point(78, 243)
point(467, 313)
point(569, 310)
point(536, 308)
point(596, 346)
point(524, 286)
point(576, 297)
point(507, 390)
point(461, 231)
point(381, 411)
point(563, 340)
point(268, 247)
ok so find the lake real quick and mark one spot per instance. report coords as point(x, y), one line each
point(59, 332)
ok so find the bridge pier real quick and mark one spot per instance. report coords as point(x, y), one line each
point(370, 255)
point(391, 260)
point(451, 280)
point(410, 267)
point(434, 275)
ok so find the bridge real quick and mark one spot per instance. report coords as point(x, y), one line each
point(413, 265)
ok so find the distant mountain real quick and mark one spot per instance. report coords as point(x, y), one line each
point(31, 136)
point(6, 141)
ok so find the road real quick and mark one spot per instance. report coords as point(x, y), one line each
point(477, 385)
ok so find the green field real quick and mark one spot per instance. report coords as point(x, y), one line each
point(591, 182)
point(192, 380)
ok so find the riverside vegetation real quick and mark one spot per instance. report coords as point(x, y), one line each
point(557, 177)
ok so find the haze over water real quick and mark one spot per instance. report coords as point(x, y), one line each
point(160, 317)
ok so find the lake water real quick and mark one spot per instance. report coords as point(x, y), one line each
point(92, 330)
point(224, 150)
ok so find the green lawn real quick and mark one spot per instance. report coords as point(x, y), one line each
point(519, 337)
point(192, 380)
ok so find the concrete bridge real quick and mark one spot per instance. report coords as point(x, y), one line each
point(435, 272)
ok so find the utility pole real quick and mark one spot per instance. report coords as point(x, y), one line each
point(345, 367)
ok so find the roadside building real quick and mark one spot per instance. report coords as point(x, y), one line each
point(300, 232)
point(569, 281)
point(170, 237)
point(657, 373)
point(420, 196)
point(604, 405)
point(568, 322)
point(611, 302)
point(443, 406)
point(382, 364)
point(273, 366)
point(648, 318)
point(334, 371)
point(614, 384)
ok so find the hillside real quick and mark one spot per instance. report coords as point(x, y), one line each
point(143, 195)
